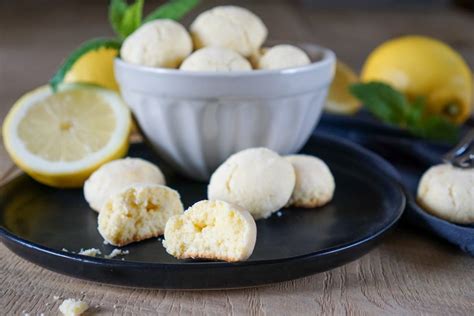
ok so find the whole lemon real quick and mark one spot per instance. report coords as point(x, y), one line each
point(96, 67)
point(426, 67)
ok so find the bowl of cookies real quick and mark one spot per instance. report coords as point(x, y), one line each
point(200, 96)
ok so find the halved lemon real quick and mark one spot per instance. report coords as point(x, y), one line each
point(60, 138)
point(340, 100)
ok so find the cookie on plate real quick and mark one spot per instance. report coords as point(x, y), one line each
point(137, 213)
point(315, 183)
point(257, 179)
point(448, 192)
point(116, 175)
point(214, 230)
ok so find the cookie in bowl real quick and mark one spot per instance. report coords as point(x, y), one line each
point(215, 59)
point(282, 56)
point(214, 230)
point(160, 43)
point(231, 27)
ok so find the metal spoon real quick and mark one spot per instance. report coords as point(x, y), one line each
point(462, 156)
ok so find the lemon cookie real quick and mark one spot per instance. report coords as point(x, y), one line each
point(257, 179)
point(114, 176)
point(161, 43)
point(283, 56)
point(231, 27)
point(213, 230)
point(215, 59)
point(137, 213)
point(448, 192)
point(314, 182)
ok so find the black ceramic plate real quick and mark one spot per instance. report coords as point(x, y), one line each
point(37, 222)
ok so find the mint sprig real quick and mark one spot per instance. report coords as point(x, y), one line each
point(88, 46)
point(392, 107)
point(124, 19)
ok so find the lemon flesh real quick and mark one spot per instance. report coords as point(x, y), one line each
point(95, 67)
point(340, 100)
point(424, 67)
point(60, 139)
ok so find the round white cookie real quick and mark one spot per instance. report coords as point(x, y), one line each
point(283, 56)
point(215, 59)
point(160, 43)
point(448, 192)
point(315, 183)
point(137, 213)
point(257, 179)
point(231, 27)
point(213, 230)
point(114, 176)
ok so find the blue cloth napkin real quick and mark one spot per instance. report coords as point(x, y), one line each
point(411, 157)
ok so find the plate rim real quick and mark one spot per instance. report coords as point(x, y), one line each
point(114, 263)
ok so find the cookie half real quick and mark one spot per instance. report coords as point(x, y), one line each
point(214, 230)
point(137, 213)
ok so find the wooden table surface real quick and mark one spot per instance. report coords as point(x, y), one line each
point(410, 273)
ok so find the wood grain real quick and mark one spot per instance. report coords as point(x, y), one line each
point(410, 273)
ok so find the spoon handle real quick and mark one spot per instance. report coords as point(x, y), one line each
point(462, 156)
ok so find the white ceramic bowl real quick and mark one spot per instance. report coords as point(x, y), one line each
point(195, 120)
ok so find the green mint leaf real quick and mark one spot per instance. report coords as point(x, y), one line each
point(174, 10)
point(415, 114)
point(132, 18)
point(117, 9)
point(383, 101)
point(391, 106)
point(124, 18)
point(68, 63)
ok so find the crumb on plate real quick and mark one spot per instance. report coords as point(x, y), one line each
point(92, 252)
point(117, 252)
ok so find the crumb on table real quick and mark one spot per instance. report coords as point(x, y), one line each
point(72, 307)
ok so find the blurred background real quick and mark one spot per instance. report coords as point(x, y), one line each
point(35, 35)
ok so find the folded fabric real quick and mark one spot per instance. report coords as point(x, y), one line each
point(411, 156)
